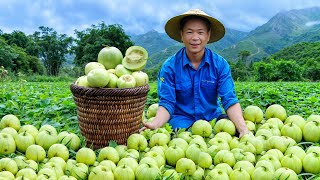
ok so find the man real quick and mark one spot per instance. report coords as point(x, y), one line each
point(191, 81)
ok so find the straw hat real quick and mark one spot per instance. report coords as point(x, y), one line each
point(172, 27)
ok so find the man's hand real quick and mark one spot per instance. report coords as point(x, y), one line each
point(148, 125)
point(161, 118)
point(235, 114)
point(242, 133)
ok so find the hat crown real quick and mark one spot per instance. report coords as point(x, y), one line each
point(196, 12)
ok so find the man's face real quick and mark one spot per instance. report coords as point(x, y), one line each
point(195, 36)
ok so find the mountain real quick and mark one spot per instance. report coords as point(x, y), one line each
point(153, 41)
point(160, 46)
point(231, 37)
point(283, 30)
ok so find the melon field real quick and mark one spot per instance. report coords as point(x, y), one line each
point(274, 149)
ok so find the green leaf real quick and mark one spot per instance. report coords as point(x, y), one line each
point(168, 127)
point(113, 143)
point(213, 122)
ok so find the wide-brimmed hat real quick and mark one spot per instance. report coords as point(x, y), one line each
point(172, 27)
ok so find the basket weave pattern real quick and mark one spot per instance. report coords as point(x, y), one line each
point(107, 114)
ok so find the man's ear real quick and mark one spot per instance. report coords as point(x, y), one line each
point(209, 35)
point(181, 35)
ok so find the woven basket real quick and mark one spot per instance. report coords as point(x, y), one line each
point(107, 114)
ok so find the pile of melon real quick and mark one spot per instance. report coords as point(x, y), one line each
point(112, 70)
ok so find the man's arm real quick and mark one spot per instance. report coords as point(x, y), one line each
point(161, 118)
point(235, 114)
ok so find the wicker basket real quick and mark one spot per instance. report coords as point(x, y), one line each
point(107, 114)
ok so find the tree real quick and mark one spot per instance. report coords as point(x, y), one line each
point(243, 56)
point(17, 38)
point(92, 40)
point(24, 63)
point(241, 70)
point(53, 48)
point(312, 69)
point(6, 54)
point(278, 70)
point(263, 71)
point(288, 70)
point(15, 59)
point(32, 48)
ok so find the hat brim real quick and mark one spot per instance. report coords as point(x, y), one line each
point(172, 27)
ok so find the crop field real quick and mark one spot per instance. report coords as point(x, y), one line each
point(52, 102)
point(41, 103)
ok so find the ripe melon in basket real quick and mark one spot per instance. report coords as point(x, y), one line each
point(110, 57)
point(135, 59)
point(98, 78)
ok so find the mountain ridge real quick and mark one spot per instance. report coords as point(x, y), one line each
point(282, 30)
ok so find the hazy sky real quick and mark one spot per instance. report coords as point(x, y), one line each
point(135, 16)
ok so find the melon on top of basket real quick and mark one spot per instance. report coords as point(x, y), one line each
point(121, 70)
point(98, 78)
point(107, 72)
point(136, 58)
point(126, 81)
point(110, 57)
point(92, 65)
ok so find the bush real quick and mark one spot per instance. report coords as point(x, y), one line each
point(278, 70)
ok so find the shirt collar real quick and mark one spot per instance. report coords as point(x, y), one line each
point(185, 59)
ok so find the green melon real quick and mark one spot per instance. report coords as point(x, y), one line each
point(110, 57)
point(135, 59)
point(98, 78)
point(82, 81)
point(92, 65)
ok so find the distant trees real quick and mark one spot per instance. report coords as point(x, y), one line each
point(243, 56)
point(6, 53)
point(90, 41)
point(305, 55)
point(311, 69)
point(242, 69)
point(14, 56)
point(300, 62)
point(277, 70)
point(21, 53)
point(17, 38)
point(53, 48)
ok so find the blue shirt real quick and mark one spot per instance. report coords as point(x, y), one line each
point(191, 94)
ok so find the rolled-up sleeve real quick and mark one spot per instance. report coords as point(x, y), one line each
point(226, 85)
point(166, 88)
